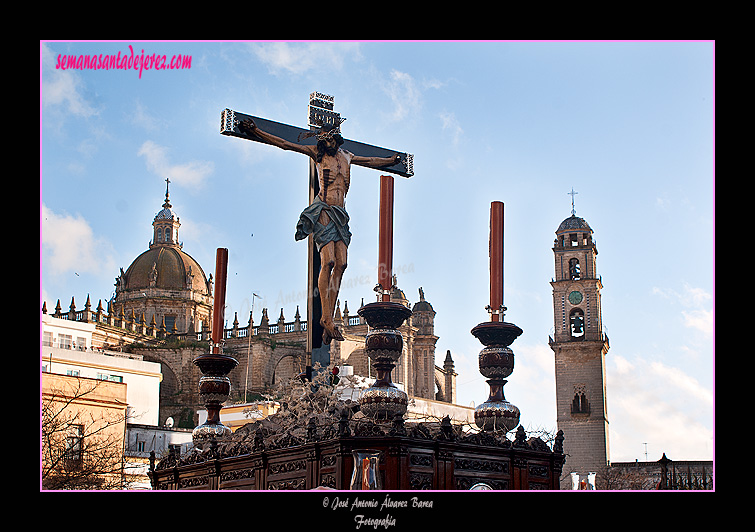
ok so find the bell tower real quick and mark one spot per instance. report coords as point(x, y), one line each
point(580, 347)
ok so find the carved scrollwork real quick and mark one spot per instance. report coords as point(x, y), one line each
point(236, 474)
point(464, 483)
point(293, 484)
point(481, 465)
point(287, 467)
point(538, 470)
point(328, 480)
point(421, 460)
point(193, 482)
point(421, 481)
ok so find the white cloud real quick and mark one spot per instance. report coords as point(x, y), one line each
point(69, 245)
point(694, 297)
point(298, 58)
point(405, 94)
point(140, 117)
point(192, 174)
point(451, 124)
point(682, 382)
point(658, 404)
point(642, 419)
point(702, 320)
point(694, 302)
point(63, 88)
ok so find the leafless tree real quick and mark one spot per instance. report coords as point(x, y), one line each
point(82, 448)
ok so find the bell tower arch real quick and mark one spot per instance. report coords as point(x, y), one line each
point(579, 346)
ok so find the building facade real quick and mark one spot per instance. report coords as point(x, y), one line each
point(68, 349)
point(580, 346)
point(82, 430)
point(162, 311)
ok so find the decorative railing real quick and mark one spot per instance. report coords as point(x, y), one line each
point(135, 324)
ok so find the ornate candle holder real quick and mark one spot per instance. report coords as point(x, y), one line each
point(383, 344)
point(214, 388)
point(496, 362)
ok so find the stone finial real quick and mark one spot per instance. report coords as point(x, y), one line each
point(448, 363)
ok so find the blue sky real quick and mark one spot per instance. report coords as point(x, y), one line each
point(628, 125)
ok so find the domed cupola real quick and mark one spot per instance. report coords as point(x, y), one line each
point(574, 231)
point(165, 281)
point(423, 315)
point(573, 223)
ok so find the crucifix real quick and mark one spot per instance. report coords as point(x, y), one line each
point(325, 221)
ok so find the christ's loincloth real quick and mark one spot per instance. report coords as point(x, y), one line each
point(336, 229)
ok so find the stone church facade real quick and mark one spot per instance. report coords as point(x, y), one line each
point(275, 351)
point(162, 309)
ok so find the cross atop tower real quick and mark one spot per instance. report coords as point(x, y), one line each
point(167, 193)
point(572, 193)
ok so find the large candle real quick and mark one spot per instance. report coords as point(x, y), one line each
point(385, 237)
point(221, 267)
point(496, 259)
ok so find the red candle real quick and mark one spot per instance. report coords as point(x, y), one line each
point(385, 236)
point(496, 259)
point(218, 311)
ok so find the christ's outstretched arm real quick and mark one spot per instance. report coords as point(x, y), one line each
point(248, 126)
point(376, 162)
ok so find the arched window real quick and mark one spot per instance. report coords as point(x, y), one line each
point(577, 324)
point(574, 271)
point(579, 404)
point(159, 234)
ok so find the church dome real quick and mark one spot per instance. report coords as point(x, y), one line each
point(164, 265)
point(167, 268)
point(164, 284)
point(573, 223)
point(167, 213)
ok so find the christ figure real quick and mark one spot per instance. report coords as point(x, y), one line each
point(326, 218)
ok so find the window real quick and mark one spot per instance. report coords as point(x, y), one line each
point(159, 234)
point(73, 373)
point(577, 324)
point(64, 341)
point(579, 404)
point(574, 271)
point(81, 344)
point(47, 339)
point(74, 446)
point(111, 378)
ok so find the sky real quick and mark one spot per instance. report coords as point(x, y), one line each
point(629, 126)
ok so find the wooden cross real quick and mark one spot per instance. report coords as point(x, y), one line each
point(320, 112)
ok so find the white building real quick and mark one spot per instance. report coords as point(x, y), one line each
point(146, 439)
point(67, 350)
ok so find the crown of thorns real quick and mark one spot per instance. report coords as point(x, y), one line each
point(326, 131)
